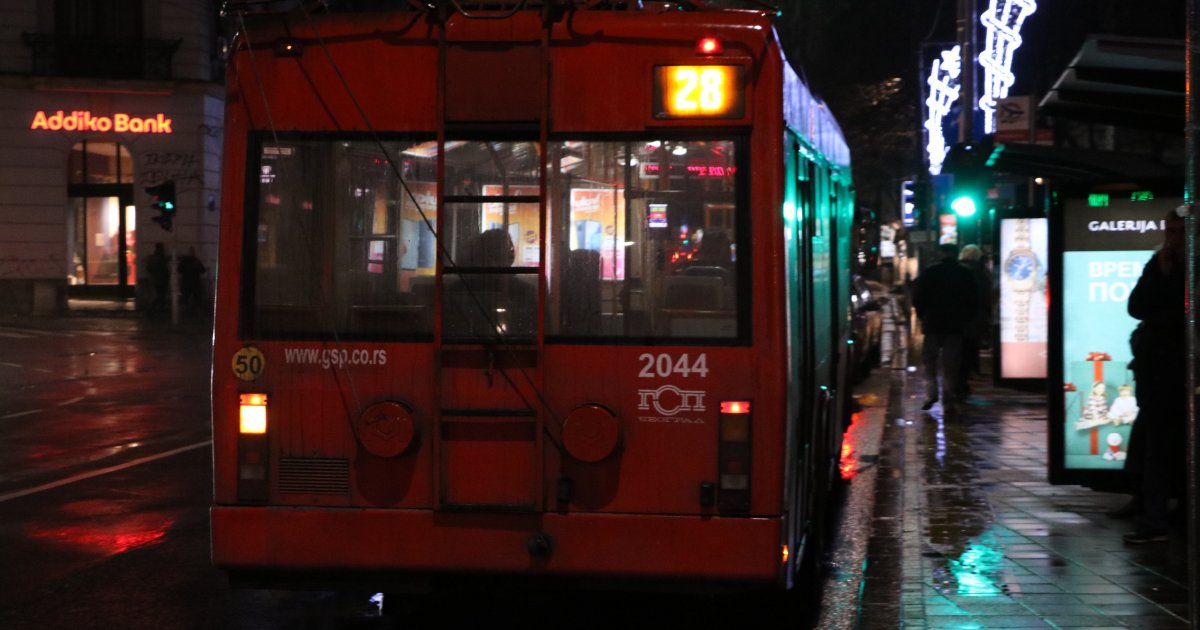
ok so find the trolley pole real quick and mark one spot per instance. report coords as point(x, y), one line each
point(1189, 199)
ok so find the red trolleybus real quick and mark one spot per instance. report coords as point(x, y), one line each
point(550, 290)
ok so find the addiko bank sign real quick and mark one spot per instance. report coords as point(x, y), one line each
point(87, 121)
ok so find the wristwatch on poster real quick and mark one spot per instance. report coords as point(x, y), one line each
point(1021, 268)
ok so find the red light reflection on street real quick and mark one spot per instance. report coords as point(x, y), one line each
point(848, 462)
point(103, 531)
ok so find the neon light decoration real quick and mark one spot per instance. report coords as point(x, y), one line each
point(943, 93)
point(1002, 20)
point(87, 121)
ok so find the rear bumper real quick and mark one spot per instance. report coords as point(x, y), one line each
point(410, 541)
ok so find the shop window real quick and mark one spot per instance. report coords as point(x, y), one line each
point(93, 162)
point(101, 223)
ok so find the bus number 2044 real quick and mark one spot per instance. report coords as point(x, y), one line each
point(664, 365)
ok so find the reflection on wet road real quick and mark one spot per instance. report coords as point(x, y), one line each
point(76, 395)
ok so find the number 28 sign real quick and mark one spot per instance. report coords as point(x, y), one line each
point(699, 92)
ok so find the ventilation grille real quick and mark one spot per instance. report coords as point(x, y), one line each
point(311, 475)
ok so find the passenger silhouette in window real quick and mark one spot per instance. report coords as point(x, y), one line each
point(487, 302)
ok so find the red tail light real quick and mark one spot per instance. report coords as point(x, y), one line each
point(733, 457)
point(735, 406)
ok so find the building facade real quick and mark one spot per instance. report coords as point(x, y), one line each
point(100, 100)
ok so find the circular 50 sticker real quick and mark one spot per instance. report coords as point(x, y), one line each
point(248, 363)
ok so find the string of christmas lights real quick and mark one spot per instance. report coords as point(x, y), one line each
point(943, 93)
point(1003, 20)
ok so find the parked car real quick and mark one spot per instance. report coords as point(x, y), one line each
point(866, 303)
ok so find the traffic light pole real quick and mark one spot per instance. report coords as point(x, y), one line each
point(164, 202)
point(1189, 200)
point(174, 284)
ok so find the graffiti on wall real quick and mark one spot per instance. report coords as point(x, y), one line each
point(30, 267)
point(212, 131)
point(184, 168)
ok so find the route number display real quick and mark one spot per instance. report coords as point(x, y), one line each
point(699, 92)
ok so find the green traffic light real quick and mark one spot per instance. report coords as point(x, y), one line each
point(963, 206)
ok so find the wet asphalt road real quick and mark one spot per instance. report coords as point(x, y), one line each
point(105, 484)
point(79, 546)
point(105, 481)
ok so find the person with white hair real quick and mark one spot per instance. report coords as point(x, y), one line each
point(979, 329)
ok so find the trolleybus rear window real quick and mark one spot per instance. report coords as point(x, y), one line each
point(492, 233)
point(341, 248)
point(647, 241)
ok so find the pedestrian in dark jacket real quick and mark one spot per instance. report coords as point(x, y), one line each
point(159, 270)
point(946, 300)
point(191, 285)
point(1156, 463)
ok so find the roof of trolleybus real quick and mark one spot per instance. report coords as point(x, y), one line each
point(576, 22)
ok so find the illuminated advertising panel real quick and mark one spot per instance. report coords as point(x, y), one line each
point(1104, 248)
point(947, 229)
point(521, 220)
point(908, 207)
point(598, 217)
point(1024, 297)
point(657, 217)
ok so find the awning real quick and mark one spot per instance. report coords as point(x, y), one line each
point(1133, 82)
point(1080, 165)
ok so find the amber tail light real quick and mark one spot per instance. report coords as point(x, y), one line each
point(733, 457)
point(253, 456)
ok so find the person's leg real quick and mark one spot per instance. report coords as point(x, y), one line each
point(1131, 475)
point(951, 360)
point(1154, 468)
point(929, 358)
point(968, 364)
point(1152, 524)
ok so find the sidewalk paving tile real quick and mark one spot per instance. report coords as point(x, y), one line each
point(987, 542)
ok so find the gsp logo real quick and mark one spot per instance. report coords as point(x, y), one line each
point(669, 400)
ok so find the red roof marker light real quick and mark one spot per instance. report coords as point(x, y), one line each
point(709, 46)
